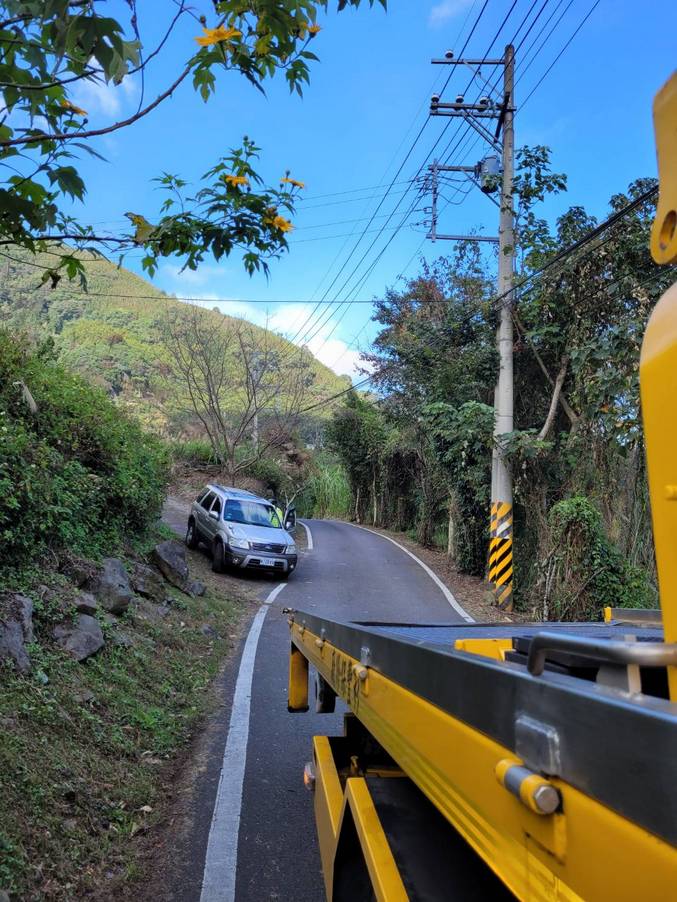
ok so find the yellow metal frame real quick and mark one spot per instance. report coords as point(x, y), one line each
point(585, 852)
point(658, 373)
point(332, 807)
point(485, 648)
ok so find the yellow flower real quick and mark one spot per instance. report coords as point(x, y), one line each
point(67, 105)
point(282, 224)
point(217, 35)
point(236, 180)
point(143, 228)
point(314, 29)
point(293, 182)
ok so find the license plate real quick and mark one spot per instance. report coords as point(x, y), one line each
point(266, 563)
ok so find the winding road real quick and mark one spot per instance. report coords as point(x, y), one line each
point(254, 832)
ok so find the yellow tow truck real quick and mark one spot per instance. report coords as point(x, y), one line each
point(498, 761)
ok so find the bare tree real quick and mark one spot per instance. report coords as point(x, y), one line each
point(240, 382)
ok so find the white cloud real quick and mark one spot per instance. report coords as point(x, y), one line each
point(285, 319)
point(332, 352)
point(336, 354)
point(192, 277)
point(447, 9)
point(106, 98)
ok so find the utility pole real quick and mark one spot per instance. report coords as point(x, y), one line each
point(500, 524)
point(501, 532)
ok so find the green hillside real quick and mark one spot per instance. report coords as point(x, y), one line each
point(109, 334)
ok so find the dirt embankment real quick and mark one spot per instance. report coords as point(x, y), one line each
point(90, 750)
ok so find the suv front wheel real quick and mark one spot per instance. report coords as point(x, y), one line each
point(218, 557)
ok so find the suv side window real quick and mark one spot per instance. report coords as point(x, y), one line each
point(202, 495)
point(207, 500)
point(216, 506)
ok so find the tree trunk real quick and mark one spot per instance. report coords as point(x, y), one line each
point(255, 431)
point(232, 468)
point(451, 533)
point(375, 499)
point(357, 505)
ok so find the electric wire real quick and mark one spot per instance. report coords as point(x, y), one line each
point(561, 52)
point(301, 332)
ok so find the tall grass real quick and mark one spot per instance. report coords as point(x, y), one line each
point(328, 493)
point(196, 452)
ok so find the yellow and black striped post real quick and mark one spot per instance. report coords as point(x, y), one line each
point(500, 554)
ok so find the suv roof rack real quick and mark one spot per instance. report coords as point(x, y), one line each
point(236, 493)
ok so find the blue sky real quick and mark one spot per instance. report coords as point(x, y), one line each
point(348, 136)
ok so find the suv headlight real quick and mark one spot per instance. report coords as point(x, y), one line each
point(291, 549)
point(239, 543)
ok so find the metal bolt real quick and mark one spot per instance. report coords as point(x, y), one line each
point(546, 798)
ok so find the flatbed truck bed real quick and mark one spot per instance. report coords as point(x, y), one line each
point(556, 781)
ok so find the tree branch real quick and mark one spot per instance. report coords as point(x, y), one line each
point(96, 132)
point(559, 381)
point(568, 410)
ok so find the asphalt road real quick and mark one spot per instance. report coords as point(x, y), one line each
point(349, 574)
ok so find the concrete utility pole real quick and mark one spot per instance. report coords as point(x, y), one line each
point(500, 543)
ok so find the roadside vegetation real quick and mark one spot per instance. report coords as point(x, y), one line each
point(77, 475)
point(89, 748)
point(417, 457)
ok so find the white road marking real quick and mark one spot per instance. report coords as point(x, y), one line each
point(433, 576)
point(273, 595)
point(220, 869)
point(309, 535)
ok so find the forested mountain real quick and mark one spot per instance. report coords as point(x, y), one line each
point(110, 332)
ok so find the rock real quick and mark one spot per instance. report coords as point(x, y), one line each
point(84, 696)
point(148, 582)
point(85, 603)
point(197, 588)
point(4, 897)
point(209, 631)
point(16, 629)
point(79, 571)
point(111, 586)
point(81, 638)
point(170, 559)
point(146, 610)
point(122, 640)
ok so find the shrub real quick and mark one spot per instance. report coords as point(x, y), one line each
point(584, 570)
point(78, 473)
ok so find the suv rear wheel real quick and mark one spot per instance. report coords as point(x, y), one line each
point(218, 557)
point(192, 539)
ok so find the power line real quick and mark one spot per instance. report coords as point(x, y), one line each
point(171, 297)
point(559, 55)
point(357, 243)
point(501, 26)
point(563, 256)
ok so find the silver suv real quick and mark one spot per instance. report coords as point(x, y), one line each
point(242, 531)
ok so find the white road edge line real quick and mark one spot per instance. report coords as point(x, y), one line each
point(433, 576)
point(220, 868)
point(273, 595)
point(309, 535)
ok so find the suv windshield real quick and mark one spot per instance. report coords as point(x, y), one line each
point(251, 512)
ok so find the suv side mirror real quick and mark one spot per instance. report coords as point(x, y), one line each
point(214, 515)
